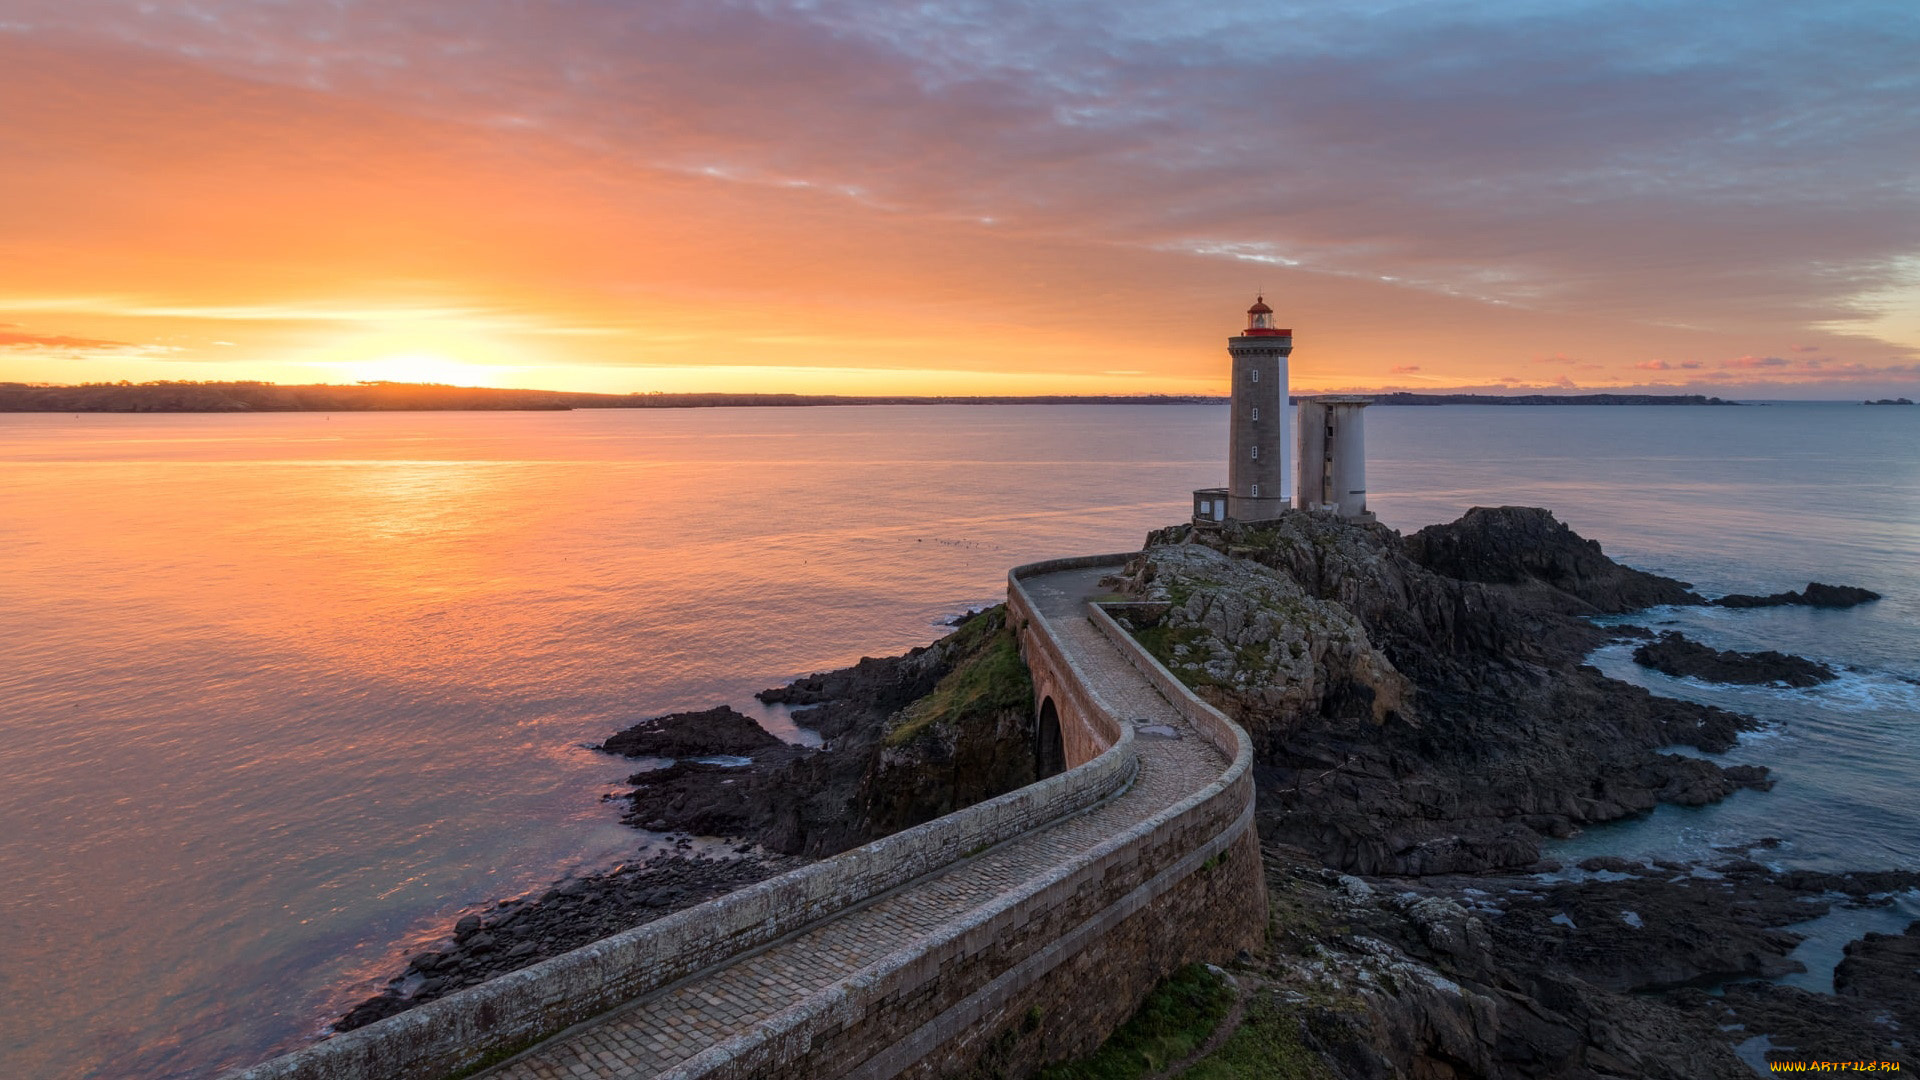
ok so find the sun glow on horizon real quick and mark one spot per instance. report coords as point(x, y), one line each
point(432, 350)
point(423, 368)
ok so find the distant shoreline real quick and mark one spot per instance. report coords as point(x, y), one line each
point(258, 397)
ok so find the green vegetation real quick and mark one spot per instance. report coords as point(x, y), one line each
point(1179, 592)
point(1160, 640)
point(989, 678)
point(1173, 1022)
point(1266, 1046)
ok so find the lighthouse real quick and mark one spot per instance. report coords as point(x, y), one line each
point(1257, 426)
point(1257, 435)
point(1332, 452)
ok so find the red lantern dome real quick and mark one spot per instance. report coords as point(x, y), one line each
point(1260, 321)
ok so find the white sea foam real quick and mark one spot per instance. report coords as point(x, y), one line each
point(1869, 690)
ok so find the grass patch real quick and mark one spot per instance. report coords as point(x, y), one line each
point(1160, 640)
point(1266, 1046)
point(1173, 1022)
point(989, 678)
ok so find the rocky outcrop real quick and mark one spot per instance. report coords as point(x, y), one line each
point(1407, 721)
point(1815, 595)
point(1420, 708)
point(1674, 654)
point(1527, 551)
point(1881, 966)
point(693, 734)
point(968, 739)
point(889, 760)
point(1508, 977)
point(1384, 982)
point(1249, 633)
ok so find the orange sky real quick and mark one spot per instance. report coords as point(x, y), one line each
point(734, 200)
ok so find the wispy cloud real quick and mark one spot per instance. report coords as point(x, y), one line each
point(15, 339)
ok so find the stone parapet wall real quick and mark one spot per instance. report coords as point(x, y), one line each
point(1205, 908)
point(1086, 729)
point(932, 1010)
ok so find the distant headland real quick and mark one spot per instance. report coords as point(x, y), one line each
point(244, 397)
point(1549, 399)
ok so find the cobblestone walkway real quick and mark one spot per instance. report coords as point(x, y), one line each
point(668, 1027)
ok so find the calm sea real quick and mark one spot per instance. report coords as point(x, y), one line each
point(281, 695)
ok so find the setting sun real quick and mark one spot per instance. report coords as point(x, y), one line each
point(428, 347)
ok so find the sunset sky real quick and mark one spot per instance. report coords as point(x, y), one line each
point(962, 196)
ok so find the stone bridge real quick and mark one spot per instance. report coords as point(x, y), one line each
point(1014, 932)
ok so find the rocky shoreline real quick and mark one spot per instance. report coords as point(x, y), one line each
point(900, 747)
point(1424, 722)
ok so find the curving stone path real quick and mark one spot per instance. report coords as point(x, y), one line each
point(653, 1035)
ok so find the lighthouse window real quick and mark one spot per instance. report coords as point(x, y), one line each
point(1254, 374)
point(1256, 453)
point(1256, 491)
point(1256, 413)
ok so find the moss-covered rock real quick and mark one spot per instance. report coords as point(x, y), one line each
point(1249, 638)
point(968, 739)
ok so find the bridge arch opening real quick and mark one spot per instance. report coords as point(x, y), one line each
point(1049, 751)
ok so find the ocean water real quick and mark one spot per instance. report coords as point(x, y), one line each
point(281, 696)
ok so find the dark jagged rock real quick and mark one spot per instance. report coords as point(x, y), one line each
point(1800, 1025)
point(704, 799)
point(1407, 721)
point(1388, 981)
point(870, 780)
point(1644, 934)
point(1869, 1017)
point(864, 695)
point(1835, 596)
point(1815, 595)
point(1886, 968)
point(1674, 654)
point(693, 734)
point(1505, 977)
point(1527, 550)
